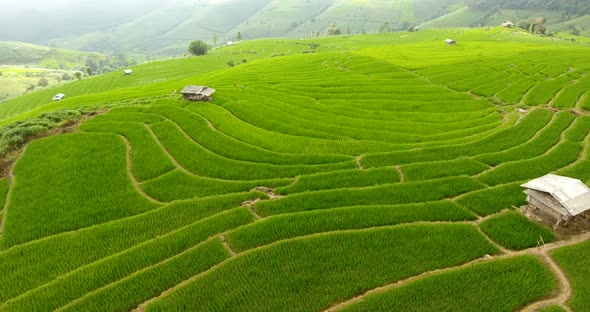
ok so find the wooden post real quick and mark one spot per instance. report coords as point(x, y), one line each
point(556, 224)
point(526, 209)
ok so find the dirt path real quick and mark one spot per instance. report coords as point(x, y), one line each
point(227, 246)
point(11, 180)
point(543, 252)
point(131, 176)
point(402, 177)
point(250, 205)
point(357, 159)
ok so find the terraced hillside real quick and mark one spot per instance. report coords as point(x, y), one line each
point(379, 173)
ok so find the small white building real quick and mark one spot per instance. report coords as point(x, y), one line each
point(59, 97)
point(127, 72)
point(450, 42)
point(229, 43)
point(561, 197)
point(508, 24)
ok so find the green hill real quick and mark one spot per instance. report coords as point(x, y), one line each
point(344, 173)
point(164, 28)
point(18, 53)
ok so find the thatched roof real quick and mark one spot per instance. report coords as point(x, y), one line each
point(198, 90)
point(571, 194)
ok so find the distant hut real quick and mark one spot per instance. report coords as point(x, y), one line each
point(508, 24)
point(127, 72)
point(561, 197)
point(229, 43)
point(197, 93)
point(450, 42)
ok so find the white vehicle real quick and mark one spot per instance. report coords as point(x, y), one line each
point(59, 97)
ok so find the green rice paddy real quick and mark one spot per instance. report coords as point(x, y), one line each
point(380, 173)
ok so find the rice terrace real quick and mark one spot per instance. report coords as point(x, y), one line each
point(375, 172)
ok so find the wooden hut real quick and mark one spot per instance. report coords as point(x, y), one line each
point(450, 42)
point(561, 197)
point(197, 93)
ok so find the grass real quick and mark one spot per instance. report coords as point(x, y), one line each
point(574, 261)
point(499, 285)
point(326, 268)
point(515, 231)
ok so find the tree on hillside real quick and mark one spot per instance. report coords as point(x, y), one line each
point(88, 70)
point(198, 47)
point(385, 27)
point(334, 30)
point(215, 38)
point(43, 82)
point(78, 75)
point(239, 36)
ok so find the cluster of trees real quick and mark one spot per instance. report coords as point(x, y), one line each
point(534, 26)
point(95, 66)
point(570, 7)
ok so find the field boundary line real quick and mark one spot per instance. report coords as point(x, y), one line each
point(583, 155)
point(129, 170)
point(165, 206)
point(182, 168)
point(133, 247)
point(12, 180)
point(530, 251)
point(226, 245)
point(358, 160)
point(566, 291)
point(580, 100)
point(111, 284)
point(535, 136)
point(559, 93)
point(141, 307)
point(206, 150)
point(562, 140)
point(402, 176)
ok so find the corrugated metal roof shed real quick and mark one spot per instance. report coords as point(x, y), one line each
point(572, 194)
point(198, 90)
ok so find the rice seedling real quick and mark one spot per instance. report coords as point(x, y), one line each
point(69, 182)
point(149, 161)
point(87, 278)
point(494, 199)
point(341, 179)
point(498, 285)
point(515, 231)
point(287, 226)
point(574, 261)
point(441, 169)
point(406, 193)
point(326, 268)
point(33, 264)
